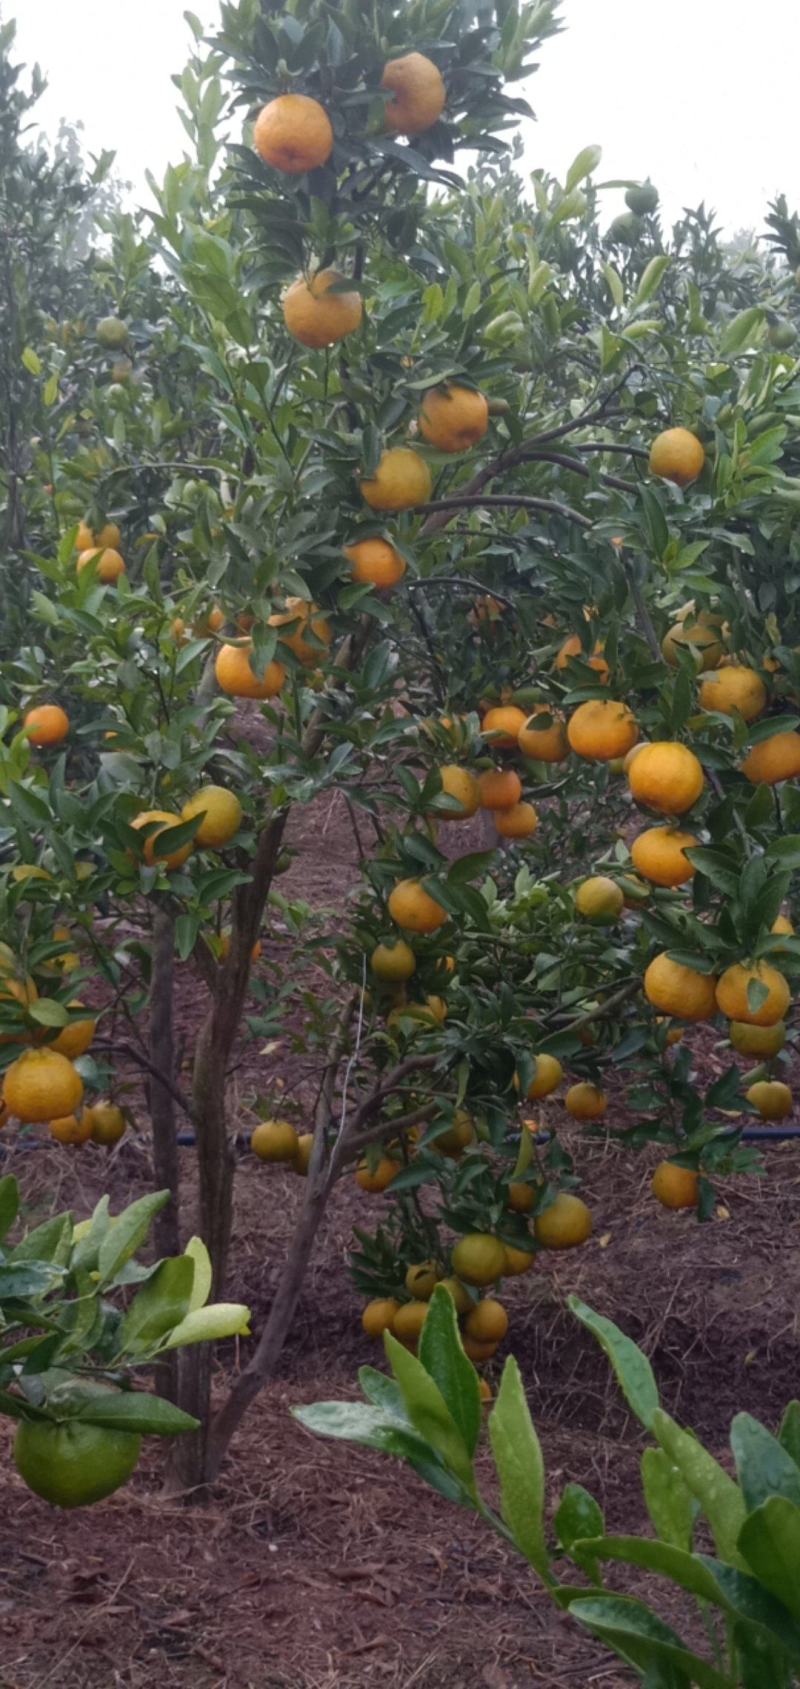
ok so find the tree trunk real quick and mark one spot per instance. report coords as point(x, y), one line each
point(162, 1102)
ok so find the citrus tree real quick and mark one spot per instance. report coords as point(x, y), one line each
point(426, 488)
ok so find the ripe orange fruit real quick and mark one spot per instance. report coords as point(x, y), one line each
point(521, 1197)
point(42, 1085)
point(585, 1101)
point(499, 788)
point(412, 907)
point(544, 736)
point(379, 1315)
point(771, 1097)
point(376, 563)
point(517, 1261)
point(734, 689)
point(666, 776)
point(679, 991)
point(699, 636)
point(487, 1322)
point(302, 1156)
point(409, 1320)
point(223, 947)
point(274, 1140)
point(298, 617)
point(572, 647)
point(401, 480)
point(773, 759)
point(176, 858)
point(658, 854)
point(293, 133)
point(502, 725)
point(453, 418)
point(319, 311)
point(72, 1128)
point(209, 623)
point(393, 960)
point(547, 1076)
point(600, 899)
point(178, 633)
point(565, 1224)
point(421, 1280)
point(458, 1137)
point(677, 455)
point(732, 998)
point(478, 1352)
point(72, 1464)
point(110, 565)
point(235, 676)
point(602, 729)
point(108, 1123)
point(379, 1178)
point(458, 1294)
point(484, 1390)
point(478, 1258)
point(221, 812)
point(460, 784)
point(674, 1186)
point(47, 724)
point(418, 94)
point(518, 822)
point(757, 1040)
point(74, 1040)
point(86, 538)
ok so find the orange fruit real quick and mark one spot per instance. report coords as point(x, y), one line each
point(679, 991)
point(602, 729)
point(178, 632)
point(412, 907)
point(221, 812)
point(319, 310)
point(478, 1258)
point(487, 1321)
point(176, 858)
point(418, 94)
point(734, 689)
point(223, 947)
point(421, 1280)
point(379, 1315)
point(572, 647)
point(110, 565)
point(235, 676)
point(658, 855)
point(378, 1178)
point(499, 788)
point(211, 622)
point(458, 1294)
point(274, 1140)
point(503, 724)
point(521, 1197)
point(517, 1261)
point(666, 776)
point(376, 563)
point(409, 1320)
point(565, 1224)
point(518, 822)
point(732, 994)
point(484, 1390)
point(453, 418)
point(460, 784)
point(677, 455)
point(74, 1040)
point(72, 1464)
point(757, 1040)
point(600, 899)
point(457, 1137)
point(698, 636)
point(42, 1085)
point(86, 538)
point(293, 133)
point(298, 617)
point(771, 1097)
point(773, 759)
point(401, 481)
point(108, 1123)
point(547, 741)
point(476, 1352)
point(674, 1186)
point(547, 1076)
point(585, 1101)
point(47, 724)
point(302, 1156)
point(393, 960)
point(72, 1128)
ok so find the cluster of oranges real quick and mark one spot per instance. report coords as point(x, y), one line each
point(102, 550)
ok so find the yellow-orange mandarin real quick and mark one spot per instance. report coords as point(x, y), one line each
point(774, 759)
point(666, 776)
point(294, 134)
point(679, 991)
point(602, 729)
point(659, 855)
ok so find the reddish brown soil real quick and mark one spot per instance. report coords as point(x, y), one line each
point(322, 1567)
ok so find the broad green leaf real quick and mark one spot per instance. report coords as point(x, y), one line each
point(669, 1503)
point(203, 1273)
point(577, 1516)
point(763, 1467)
point(582, 166)
point(650, 279)
point(740, 331)
point(356, 1422)
point(789, 1433)
point(429, 1413)
point(520, 1468)
point(720, 1498)
point(684, 1569)
point(9, 1204)
point(32, 361)
point(51, 1241)
point(136, 1410)
point(613, 282)
point(29, 1279)
point(211, 1325)
point(769, 1540)
point(162, 1303)
point(442, 1356)
point(744, 1596)
point(637, 1635)
point(633, 1371)
point(758, 1660)
point(127, 1234)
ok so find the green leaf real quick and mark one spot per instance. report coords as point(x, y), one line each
point(520, 1468)
point(669, 1503)
point(443, 1358)
point(789, 1433)
point(638, 1636)
point(356, 1422)
point(51, 1241)
point(429, 1413)
point(682, 1568)
point(577, 1515)
point(9, 1204)
point(136, 1410)
point(32, 361)
point(128, 1232)
point(744, 1596)
point(211, 1325)
point(582, 166)
point(720, 1498)
point(769, 1540)
point(633, 1371)
point(29, 1279)
point(650, 279)
point(47, 1012)
point(763, 1467)
point(161, 1304)
point(614, 284)
point(785, 850)
point(203, 1273)
point(740, 331)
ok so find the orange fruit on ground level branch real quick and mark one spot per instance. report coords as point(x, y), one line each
point(457, 1137)
point(658, 854)
point(679, 991)
point(393, 960)
point(502, 724)
point(771, 1097)
point(171, 859)
point(517, 1261)
point(74, 1040)
point(301, 1160)
point(666, 776)
point(477, 1352)
point(544, 736)
point(412, 907)
point(773, 759)
point(418, 94)
point(733, 994)
point(47, 724)
point(236, 677)
point(518, 822)
point(757, 1040)
point(521, 1197)
point(376, 563)
point(297, 619)
point(460, 784)
point(379, 1315)
point(294, 134)
point(548, 1074)
point(72, 1464)
point(321, 310)
point(572, 647)
point(699, 637)
point(274, 1140)
point(600, 899)
point(677, 455)
point(565, 1224)
point(602, 729)
point(221, 812)
point(110, 565)
point(72, 1128)
point(42, 1085)
point(107, 1123)
point(734, 689)
point(453, 418)
point(478, 1258)
point(585, 1101)
point(409, 1320)
point(499, 788)
point(487, 1322)
point(421, 1280)
point(378, 1178)
point(401, 480)
point(675, 1186)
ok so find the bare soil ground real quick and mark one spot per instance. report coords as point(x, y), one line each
point(321, 1567)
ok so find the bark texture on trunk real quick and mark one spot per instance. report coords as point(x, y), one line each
point(162, 1102)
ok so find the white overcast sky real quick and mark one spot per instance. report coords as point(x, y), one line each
point(702, 95)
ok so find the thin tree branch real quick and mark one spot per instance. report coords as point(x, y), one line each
point(497, 501)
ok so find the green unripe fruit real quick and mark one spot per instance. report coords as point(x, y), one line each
point(642, 199)
point(112, 333)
